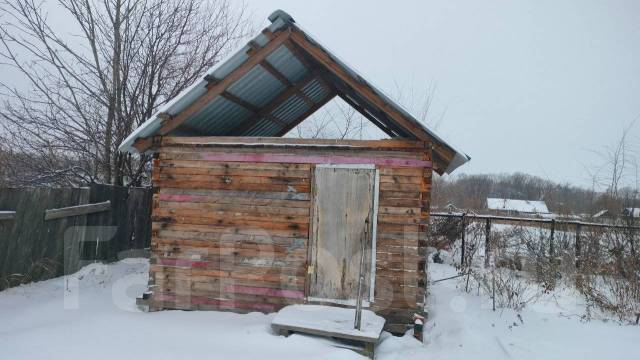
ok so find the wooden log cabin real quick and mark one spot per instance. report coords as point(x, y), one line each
point(245, 219)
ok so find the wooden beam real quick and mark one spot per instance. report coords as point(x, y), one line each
point(261, 157)
point(252, 108)
point(277, 74)
point(367, 115)
point(301, 57)
point(245, 104)
point(273, 104)
point(7, 215)
point(254, 59)
point(325, 59)
point(400, 144)
point(52, 214)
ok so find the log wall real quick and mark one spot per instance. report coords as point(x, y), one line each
point(231, 221)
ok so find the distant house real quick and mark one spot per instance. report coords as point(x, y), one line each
point(512, 207)
point(631, 212)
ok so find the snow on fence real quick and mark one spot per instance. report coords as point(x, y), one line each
point(55, 231)
point(509, 258)
point(551, 224)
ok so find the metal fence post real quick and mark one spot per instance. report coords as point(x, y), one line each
point(463, 240)
point(487, 243)
point(578, 246)
point(552, 249)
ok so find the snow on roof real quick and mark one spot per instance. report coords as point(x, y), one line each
point(524, 206)
point(633, 212)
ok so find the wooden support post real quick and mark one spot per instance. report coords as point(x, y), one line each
point(369, 350)
point(578, 246)
point(358, 320)
point(552, 249)
point(462, 248)
point(487, 243)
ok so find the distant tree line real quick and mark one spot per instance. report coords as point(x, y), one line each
point(470, 192)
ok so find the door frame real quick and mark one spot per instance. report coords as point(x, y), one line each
point(374, 226)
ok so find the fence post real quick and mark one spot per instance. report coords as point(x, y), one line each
point(487, 243)
point(551, 239)
point(463, 240)
point(578, 245)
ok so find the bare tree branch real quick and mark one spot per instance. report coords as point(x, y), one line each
point(88, 91)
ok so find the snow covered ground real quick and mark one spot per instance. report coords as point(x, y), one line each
point(92, 315)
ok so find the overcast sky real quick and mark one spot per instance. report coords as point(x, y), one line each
point(532, 86)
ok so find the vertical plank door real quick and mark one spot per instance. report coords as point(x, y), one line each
point(343, 212)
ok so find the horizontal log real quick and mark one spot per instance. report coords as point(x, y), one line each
point(264, 291)
point(222, 201)
point(391, 194)
point(229, 231)
point(78, 210)
point(223, 171)
point(222, 304)
point(247, 274)
point(397, 210)
point(199, 164)
point(235, 208)
point(231, 265)
point(186, 184)
point(284, 245)
point(185, 292)
point(261, 224)
point(306, 159)
point(242, 195)
point(208, 283)
point(415, 202)
point(199, 238)
point(278, 141)
point(221, 217)
point(399, 219)
point(236, 179)
point(400, 171)
point(396, 179)
point(265, 253)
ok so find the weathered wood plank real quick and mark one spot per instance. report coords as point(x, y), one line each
point(309, 159)
point(372, 144)
point(78, 210)
point(231, 194)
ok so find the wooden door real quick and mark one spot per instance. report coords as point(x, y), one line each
point(343, 217)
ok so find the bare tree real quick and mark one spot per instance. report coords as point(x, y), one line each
point(619, 164)
point(88, 91)
point(337, 121)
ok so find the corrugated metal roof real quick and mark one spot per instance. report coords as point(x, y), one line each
point(256, 91)
point(287, 64)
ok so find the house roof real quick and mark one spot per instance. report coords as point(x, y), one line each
point(632, 212)
point(523, 206)
point(272, 84)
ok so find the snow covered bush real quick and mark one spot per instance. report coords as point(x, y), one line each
point(609, 278)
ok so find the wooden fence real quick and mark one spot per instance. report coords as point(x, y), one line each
point(48, 232)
